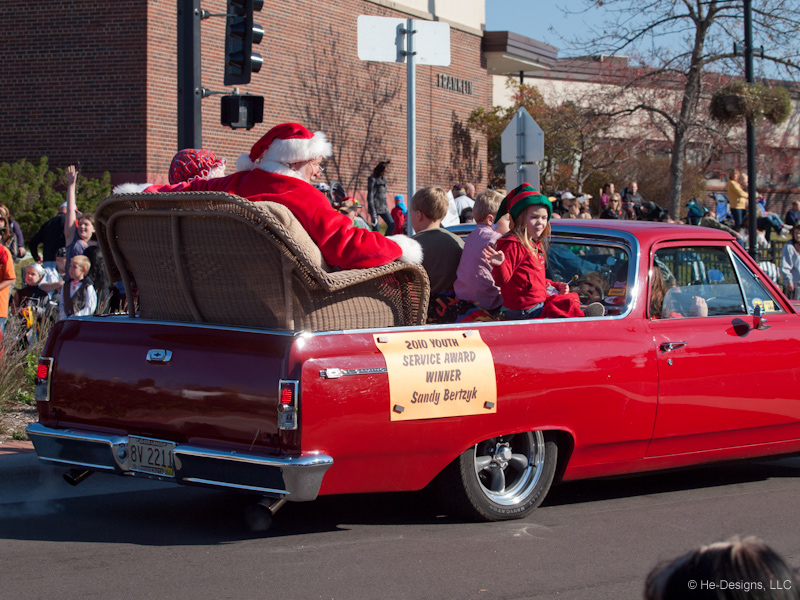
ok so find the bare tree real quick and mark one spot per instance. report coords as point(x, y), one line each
point(349, 106)
point(677, 43)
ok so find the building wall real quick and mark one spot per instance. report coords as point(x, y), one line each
point(73, 83)
point(106, 90)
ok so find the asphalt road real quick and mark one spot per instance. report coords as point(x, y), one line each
point(119, 538)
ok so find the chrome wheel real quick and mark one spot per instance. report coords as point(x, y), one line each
point(509, 467)
point(504, 477)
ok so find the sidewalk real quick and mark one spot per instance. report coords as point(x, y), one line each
point(14, 447)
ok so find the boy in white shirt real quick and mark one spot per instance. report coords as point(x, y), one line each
point(78, 296)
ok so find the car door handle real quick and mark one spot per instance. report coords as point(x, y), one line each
point(670, 346)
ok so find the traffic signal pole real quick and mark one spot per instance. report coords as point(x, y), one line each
point(190, 118)
point(751, 134)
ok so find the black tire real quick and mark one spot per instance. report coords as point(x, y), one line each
point(501, 478)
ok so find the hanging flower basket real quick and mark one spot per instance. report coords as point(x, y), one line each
point(777, 105)
point(739, 100)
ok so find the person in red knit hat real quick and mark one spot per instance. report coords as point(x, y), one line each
point(189, 164)
point(280, 168)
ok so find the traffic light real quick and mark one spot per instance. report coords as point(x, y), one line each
point(240, 35)
point(242, 112)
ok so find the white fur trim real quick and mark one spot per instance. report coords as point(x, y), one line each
point(243, 163)
point(412, 251)
point(131, 188)
point(275, 167)
point(297, 149)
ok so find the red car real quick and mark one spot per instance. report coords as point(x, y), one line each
point(694, 361)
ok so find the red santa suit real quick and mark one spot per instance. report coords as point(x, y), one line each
point(342, 244)
point(265, 176)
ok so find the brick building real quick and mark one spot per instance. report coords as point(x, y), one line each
point(95, 83)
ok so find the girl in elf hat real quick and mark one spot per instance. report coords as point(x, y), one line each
point(518, 261)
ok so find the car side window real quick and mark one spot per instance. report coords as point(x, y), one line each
point(694, 281)
point(755, 292)
point(597, 272)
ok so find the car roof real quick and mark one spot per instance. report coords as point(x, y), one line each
point(647, 232)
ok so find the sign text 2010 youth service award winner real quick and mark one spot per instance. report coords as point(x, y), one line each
point(438, 374)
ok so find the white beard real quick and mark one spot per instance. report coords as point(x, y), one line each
point(279, 168)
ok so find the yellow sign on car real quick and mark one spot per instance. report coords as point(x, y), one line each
point(438, 374)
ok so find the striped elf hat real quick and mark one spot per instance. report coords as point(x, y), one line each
point(520, 198)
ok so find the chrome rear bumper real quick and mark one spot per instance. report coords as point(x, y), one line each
point(296, 479)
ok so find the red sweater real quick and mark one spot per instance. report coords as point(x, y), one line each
point(342, 244)
point(521, 276)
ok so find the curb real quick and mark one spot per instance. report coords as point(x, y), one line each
point(15, 448)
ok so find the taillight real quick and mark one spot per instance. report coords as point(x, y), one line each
point(287, 406)
point(44, 371)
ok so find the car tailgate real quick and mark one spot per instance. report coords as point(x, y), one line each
point(180, 382)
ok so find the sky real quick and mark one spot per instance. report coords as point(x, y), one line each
point(545, 21)
point(534, 18)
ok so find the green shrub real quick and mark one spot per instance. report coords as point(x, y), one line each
point(33, 192)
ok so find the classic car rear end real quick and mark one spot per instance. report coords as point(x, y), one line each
point(193, 404)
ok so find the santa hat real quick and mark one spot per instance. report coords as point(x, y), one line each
point(189, 164)
point(285, 144)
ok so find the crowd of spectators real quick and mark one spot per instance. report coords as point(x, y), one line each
point(70, 234)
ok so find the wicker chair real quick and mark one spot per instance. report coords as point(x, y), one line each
point(213, 257)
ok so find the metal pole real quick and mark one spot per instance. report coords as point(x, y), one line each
point(412, 118)
point(520, 146)
point(190, 121)
point(751, 133)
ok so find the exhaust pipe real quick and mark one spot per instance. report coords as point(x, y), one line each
point(259, 515)
point(76, 476)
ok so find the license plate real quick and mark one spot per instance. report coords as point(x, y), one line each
point(151, 456)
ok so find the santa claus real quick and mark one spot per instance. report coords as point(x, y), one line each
point(280, 168)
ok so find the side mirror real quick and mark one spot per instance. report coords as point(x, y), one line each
point(759, 320)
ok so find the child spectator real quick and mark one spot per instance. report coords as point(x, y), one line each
point(591, 287)
point(518, 262)
point(441, 249)
point(53, 279)
point(399, 213)
point(78, 297)
point(31, 293)
point(474, 282)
